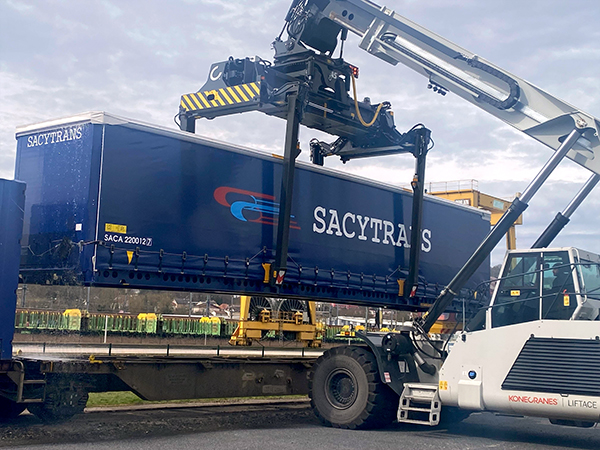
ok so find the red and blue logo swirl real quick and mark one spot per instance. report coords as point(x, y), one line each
point(248, 206)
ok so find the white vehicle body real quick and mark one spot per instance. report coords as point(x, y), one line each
point(483, 363)
point(538, 352)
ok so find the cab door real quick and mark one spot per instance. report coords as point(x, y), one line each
point(518, 293)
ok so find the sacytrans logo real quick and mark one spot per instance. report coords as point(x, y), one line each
point(250, 206)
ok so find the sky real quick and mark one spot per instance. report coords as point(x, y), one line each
point(135, 58)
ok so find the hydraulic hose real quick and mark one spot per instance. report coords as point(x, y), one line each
point(360, 118)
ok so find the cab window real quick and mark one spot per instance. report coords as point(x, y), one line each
point(590, 275)
point(558, 293)
point(518, 295)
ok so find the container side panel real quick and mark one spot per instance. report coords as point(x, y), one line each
point(183, 215)
point(12, 201)
point(61, 174)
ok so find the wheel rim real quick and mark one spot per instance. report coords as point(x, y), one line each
point(341, 389)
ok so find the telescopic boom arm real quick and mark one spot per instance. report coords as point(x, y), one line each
point(449, 68)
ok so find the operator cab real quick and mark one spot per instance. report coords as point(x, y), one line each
point(543, 284)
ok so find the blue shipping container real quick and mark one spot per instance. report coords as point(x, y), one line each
point(117, 202)
point(12, 200)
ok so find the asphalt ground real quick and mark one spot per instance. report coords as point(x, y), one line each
point(276, 425)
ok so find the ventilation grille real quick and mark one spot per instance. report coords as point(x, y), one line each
point(560, 366)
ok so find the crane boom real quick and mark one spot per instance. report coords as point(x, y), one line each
point(448, 67)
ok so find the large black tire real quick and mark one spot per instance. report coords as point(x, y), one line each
point(452, 415)
point(572, 423)
point(62, 402)
point(346, 391)
point(9, 409)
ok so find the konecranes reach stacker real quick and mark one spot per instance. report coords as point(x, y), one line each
point(544, 310)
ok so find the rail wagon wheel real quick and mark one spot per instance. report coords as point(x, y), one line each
point(346, 392)
point(258, 304)
point(63, 400)
point(9, 409)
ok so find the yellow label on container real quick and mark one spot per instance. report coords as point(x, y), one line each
point(443, 385)
point(566, 300)
point(515, 293)
point(114, 228)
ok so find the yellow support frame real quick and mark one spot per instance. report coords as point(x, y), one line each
point(247, 331)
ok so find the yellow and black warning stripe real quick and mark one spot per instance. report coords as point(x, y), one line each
point(233, 95)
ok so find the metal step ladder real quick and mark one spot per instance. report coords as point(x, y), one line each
point(27, 391)
point(420, 404)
